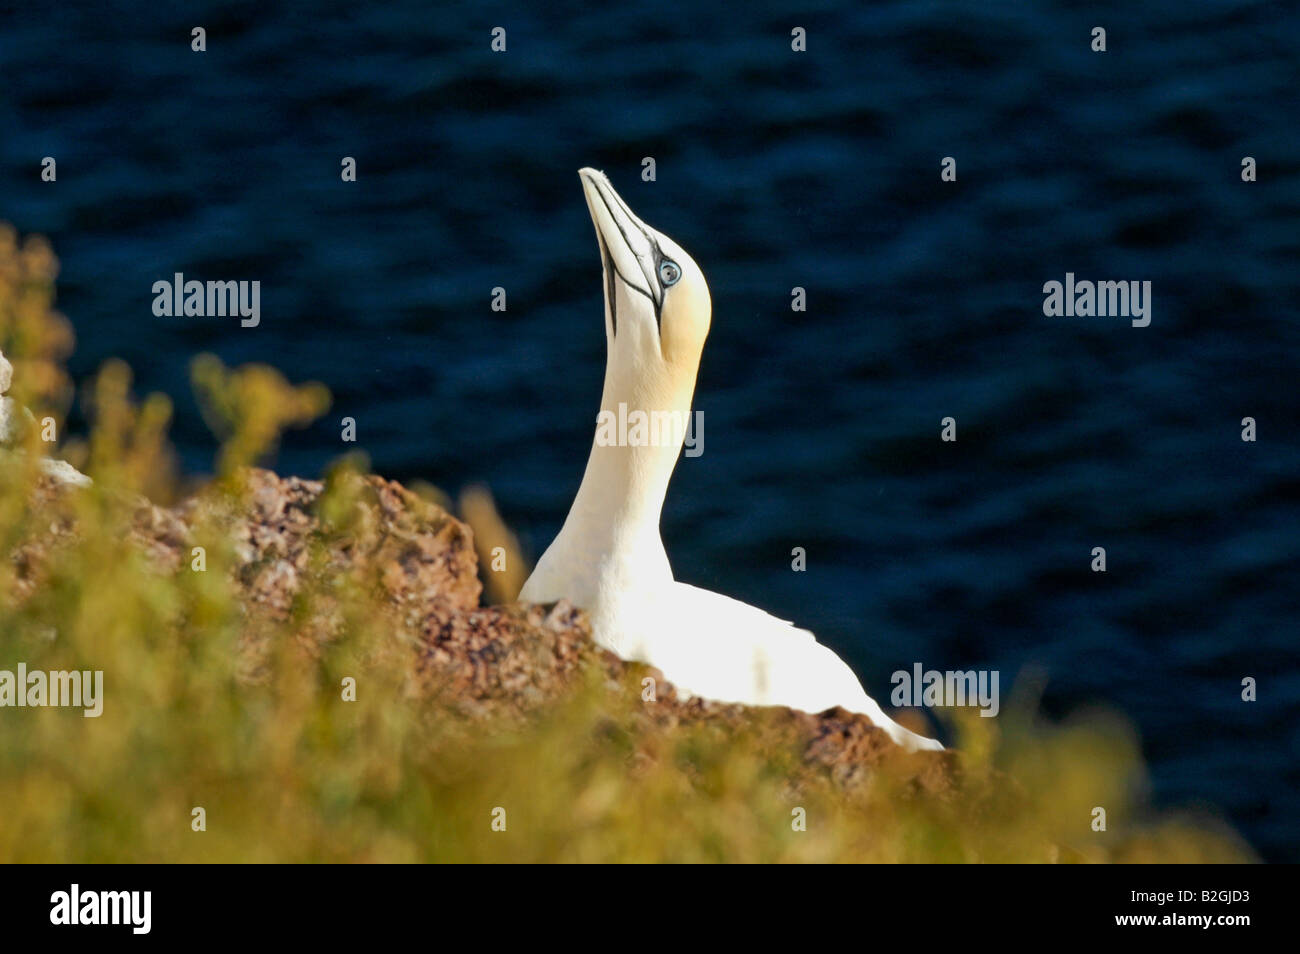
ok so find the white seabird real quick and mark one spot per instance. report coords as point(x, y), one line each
point(609, 557)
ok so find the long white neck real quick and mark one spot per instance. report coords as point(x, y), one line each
point(618, 505)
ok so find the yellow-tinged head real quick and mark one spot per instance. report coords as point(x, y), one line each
point(657, 306)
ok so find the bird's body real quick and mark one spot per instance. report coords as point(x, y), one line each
point(609, 557)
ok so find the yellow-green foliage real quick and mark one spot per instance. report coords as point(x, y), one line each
point(35, 337)
point(286, 770)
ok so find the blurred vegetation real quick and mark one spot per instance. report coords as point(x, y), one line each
point(502, 566)
point(286, 770)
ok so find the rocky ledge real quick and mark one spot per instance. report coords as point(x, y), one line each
point(487, 661)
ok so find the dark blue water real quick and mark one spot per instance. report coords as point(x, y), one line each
point(775, 169)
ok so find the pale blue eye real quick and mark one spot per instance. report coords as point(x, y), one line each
point(669, 273)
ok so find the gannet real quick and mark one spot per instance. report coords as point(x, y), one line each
point(609, 557)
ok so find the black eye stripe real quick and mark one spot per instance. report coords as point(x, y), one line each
point(609, 289)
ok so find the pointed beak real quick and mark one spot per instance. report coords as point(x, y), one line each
point(626, 245)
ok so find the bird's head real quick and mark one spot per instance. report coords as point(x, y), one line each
point(657, 305)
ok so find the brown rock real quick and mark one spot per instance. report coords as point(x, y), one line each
point(481, 661)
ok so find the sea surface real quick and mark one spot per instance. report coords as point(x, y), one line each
point(775, 169)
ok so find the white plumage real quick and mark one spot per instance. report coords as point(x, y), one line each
point(609, 558)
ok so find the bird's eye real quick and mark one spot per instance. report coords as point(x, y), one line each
point(669, 273)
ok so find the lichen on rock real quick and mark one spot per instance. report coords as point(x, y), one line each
point(506, 661)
